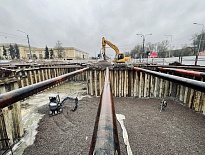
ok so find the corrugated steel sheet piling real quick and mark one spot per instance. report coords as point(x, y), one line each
point(105, 135)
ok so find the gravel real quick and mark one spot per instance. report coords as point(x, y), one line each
point(177, 130)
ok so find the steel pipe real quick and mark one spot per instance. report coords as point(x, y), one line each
point(105, 135)
point(197, 85)
point(13, 96)
point(183, 71)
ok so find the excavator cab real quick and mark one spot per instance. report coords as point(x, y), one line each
point(54, 98)
point(120, 56)
point(54, 104)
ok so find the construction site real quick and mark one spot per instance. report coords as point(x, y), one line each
point(87, 77)
point(118, 110)
point(102, 107)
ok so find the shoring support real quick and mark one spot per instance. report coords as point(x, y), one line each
point(13, 96)
point(197, 85)
point(105, 135)
point(183, 71)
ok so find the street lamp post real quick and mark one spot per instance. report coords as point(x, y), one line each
point(170, 43)
point(30, 57)
point(143, 42)
point(197, 54)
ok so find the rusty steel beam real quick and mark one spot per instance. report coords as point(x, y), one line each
point(197, 85)
point(13, 96)
point(183, 71)
point(105, 135)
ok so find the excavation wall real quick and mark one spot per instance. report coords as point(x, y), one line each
point(125, 82)
point(131, 83)
point(11, 128)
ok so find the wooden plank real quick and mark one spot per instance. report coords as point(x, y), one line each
point(95, 80)
point(145, 85)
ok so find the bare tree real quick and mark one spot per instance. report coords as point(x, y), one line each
point(162, 48)
point(199, 39)
point(59, 49)
point(51, 54)
point(135, 52)
point(150, 46)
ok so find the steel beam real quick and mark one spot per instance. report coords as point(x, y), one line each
point(13, 96)
point(197, 85)
point(183, 71)
point(105, 135)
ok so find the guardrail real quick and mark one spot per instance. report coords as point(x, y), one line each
point(105, 135)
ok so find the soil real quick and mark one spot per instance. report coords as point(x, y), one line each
point(176, 130)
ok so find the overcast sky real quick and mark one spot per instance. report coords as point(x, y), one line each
point(83, 23)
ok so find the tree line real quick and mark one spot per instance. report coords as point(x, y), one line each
point(164, 49)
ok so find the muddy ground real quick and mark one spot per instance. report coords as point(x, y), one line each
point(177, 130)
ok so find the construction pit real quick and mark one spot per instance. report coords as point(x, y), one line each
point(176, 130)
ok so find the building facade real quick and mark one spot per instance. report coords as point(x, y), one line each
point(70, 53)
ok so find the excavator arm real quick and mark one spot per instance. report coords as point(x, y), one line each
point(120, 57)
point(104, 42)
point(69, 98)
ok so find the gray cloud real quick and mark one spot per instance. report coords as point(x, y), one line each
point(82, 23)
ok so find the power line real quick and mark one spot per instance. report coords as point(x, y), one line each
point(15, 36)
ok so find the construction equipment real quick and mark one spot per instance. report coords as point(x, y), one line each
point(119, 57)
point(55, 106)
point(163, 105)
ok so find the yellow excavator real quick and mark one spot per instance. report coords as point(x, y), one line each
point(119, 57)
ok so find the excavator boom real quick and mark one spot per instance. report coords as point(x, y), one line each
point(120, 57)
point(104, 42)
